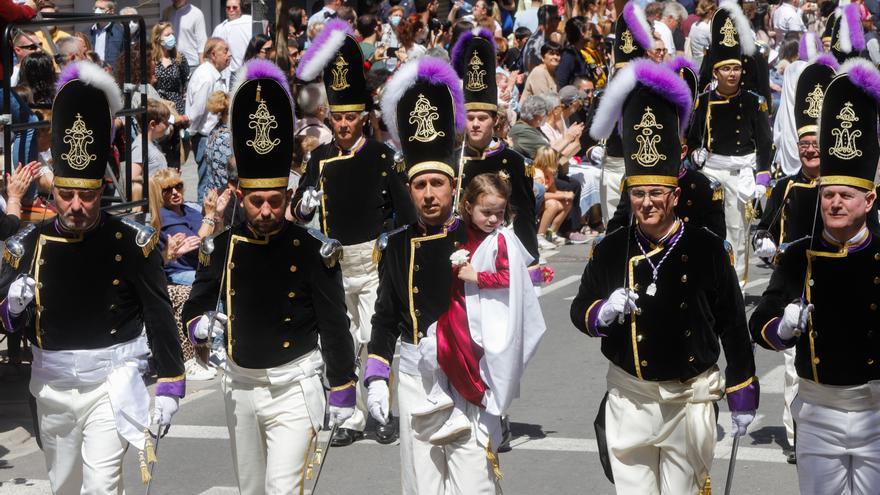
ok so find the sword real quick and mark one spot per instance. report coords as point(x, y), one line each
point(159, 436)
point(732, 466)
point(321, 456)
point(622, 316)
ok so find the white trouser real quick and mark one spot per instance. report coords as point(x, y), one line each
point(273, 417)
point(82, 446)
point(609, 193)
point(736, 185)
point(838, 448)
point(461, 467)
point(360, 279)
point(661, 435)
point(789, 392)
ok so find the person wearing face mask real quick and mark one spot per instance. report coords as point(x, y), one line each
point(389, 29)
point(106, 38)
point(133, 26)
point(172, 74)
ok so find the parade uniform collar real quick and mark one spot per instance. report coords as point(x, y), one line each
point(673, 234)
point(69, 234)
point(449, 225)
point(361, 141)
point(856, 243)
point(266, 237)
point(495, 146)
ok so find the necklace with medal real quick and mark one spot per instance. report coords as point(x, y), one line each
point(655, 269)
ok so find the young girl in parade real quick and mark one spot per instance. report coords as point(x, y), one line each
point(479, 348)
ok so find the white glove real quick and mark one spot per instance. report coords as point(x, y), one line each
point(760, 191)
point(794, 320)
point(428, 354)
point(311, 199)
point(338, 415)
point(21, 293)
point(766, 248)
point(741, 421)
point(208, 327)
point(621, 301)
point(597, 154)
point(164, 408)
point(699, 156)
point(378, 400)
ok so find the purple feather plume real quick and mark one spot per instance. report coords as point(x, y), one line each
point(679, 63)
point(69, 73)
point(667, 85)
point(864, 75)
point(319, 41)
point(257, 68)
point(458, 57)
point(804, 44)
point(829, 60)
point(635, 23)
point(437, 71)
point(853, 20)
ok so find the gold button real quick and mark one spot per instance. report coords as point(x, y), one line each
point(504, 160)
point(683, 305)
point(296, 242)
point(286, 344)
point(112, 331)
point(690, 203)
point(115, 281)
point(691, 359)
point(687, 333)
point(42, 242)
point(42, 261)
point(231, 317)
point(876, 256)
point(40, 285)
point(812, 282)
point(693, 186)
point(644, 363)
point(383, 155)
point(287, 320)
point(639, 338)
point(636, 287)
point(119, 235)
point(292, 268)
point(738, 117)
point(231, 292)
point(684, 258)
point(686, 219)
point(415, 290)
point(813, 334)
point(870, 361)
point(118, 257)
point(416, 268)
point(291, 294)
point(873, 307)
point(231, 265)
point(418, 313)
point(112, 307)
point(876, 280)
point(684, 278)
point(418, 244)
point(815, 360)
point(384, 174)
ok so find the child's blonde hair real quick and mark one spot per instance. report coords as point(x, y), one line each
point(497, 184)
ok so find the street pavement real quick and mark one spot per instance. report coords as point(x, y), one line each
point(554, 448)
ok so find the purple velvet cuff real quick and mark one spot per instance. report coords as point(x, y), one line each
point(5, 317)
point(345, 397)
point(745, 398)
point(376, 368)
point(770, 333)
point(763, 179)
point(176, 388)
point(191, 331)
point(592, 318)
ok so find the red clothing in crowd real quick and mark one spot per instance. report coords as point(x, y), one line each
point(457, 353)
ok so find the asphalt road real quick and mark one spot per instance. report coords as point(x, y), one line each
point(554, 450)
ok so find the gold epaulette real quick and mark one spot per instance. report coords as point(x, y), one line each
point(146, 237)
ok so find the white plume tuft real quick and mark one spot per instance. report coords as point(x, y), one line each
point(743, 28)
point(611, 104)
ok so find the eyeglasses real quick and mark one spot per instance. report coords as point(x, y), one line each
point(730, 69)
point(655, 195)
point(805, 145)
point(661, 51)
point(176, 187)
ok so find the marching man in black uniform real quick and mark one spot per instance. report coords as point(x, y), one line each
point(847, 35)
point(661, 293)
point(730, 137)
point(823, 297)
point(473, 57)
point(82, 287)
point(279, 297)
point(354, 185)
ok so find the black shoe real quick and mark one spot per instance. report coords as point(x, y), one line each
point(386, 433)
point(792, 457)
point(506, 436)
point(345, 436)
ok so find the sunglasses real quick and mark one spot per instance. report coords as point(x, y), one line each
point(232, 7)
point(32, 46)
point(176, 187)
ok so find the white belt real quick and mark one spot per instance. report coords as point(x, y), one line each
point(357, 259)
point(311, 364)
point(731, 163)
point(849, 398)
point(409, 359)
point(120, 366)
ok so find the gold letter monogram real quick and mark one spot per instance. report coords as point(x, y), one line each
point(423, 116)
point(844, 138)
point(476, 74)
point(729, 33)
point(627, 47)
point(340, 71)
point(78, 137)
point(814, 100)
point(262, 122)
point(647, 154)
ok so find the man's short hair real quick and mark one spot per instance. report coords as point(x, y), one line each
point(550, 46)
point(674, 9)
point(311, 99)
point(654, 10)
point(546, 13)
point(366, 25)
point(533, 107)
point(111, 5)
point(421, 6)
point(522, 33)
point(157, 111)
point(68, 45)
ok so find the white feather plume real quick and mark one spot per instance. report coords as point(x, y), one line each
point(843, 32)
point(323, 55)
point(93, 75)
point(811, 45)
point(611, 104)
point(874, 50)
point(743, 28)
point(639, 13)
point(404, 78)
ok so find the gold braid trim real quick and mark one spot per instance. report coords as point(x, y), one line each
point(151, 244)
point(11, 260)
point(204, 258)
point(493, 459)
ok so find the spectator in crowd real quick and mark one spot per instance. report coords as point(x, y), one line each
point(425, 10)
point(787, 18)
point(23, 44)
point(258, 47)
point(669, 22)
point(296, 29)
point(133, 26)
point(566, 141)
point(188, 24)
point(49, 7)
point(653, 12)
point(369, 29)
point(205, 80)
point(701, 32)
point(389, 29)
point(327, 12)
point(528, 18)
point(548, 23)
point(525, 133)
point(577, 58)
point(38, 73)
point(312, 103)
point(171, 75)
point(481, 15)
point(86, 44)
point(69, 50)
point(106, 37)
point(513, 58)
point(236, 30)
point(157, 128)
point(557, 203)
point(182, 226)
point(219, 148)
point(659, 52)
point(409, 32)
point(542, 78)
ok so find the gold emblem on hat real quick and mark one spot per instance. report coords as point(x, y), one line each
point(340, 72)
point(262, 122)
point(78, 136)
point(627, 46)
point(647, 154)
point(814, 100)
point(729, 33)
point(423, 116)
point(476, 75)
point(844, 136)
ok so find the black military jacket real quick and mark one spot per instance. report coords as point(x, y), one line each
point(675, 336)
point(701, 204)
point(95, 290)
point(280, 298)
point(364, 193)
point(415, 278)
point(789, 212)
point(733, 126)
point(841, 345)
point(522, 196)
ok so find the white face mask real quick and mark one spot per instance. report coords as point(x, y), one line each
point(133, 26)
point(99, 11)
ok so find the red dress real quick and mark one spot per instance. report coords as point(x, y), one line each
point(457, 353)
